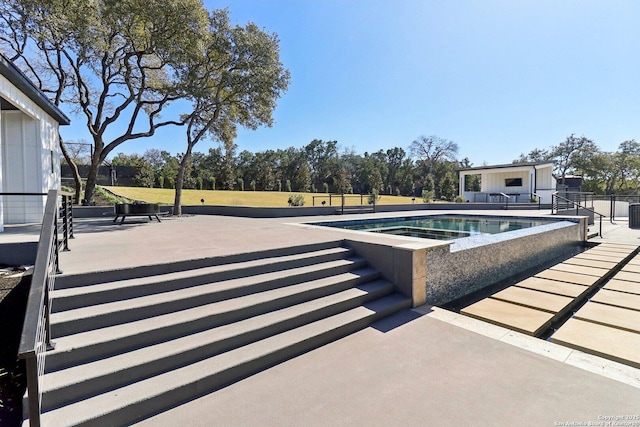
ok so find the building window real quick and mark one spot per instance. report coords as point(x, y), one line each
point(52, 168)
point(513, 182)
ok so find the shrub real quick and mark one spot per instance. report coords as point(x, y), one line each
point(427, 195)
point(288, 186)
point(161, 181)
point(252, 184)
point(212, 180)
point(325, 187)
point(459, 199)
point(374, 197)
point(296, 200)
point(241, 184)
point(200, 183)
point(172, 182)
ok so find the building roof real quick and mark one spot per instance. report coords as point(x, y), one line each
point(509, 165)
point(26, 86)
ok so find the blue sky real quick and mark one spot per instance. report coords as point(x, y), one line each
point(499, 77)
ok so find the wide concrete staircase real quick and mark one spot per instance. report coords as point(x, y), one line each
point(132, 343)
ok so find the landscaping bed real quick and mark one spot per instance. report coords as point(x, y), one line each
point(14, 290)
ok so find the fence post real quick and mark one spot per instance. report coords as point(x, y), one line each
point(612, 208)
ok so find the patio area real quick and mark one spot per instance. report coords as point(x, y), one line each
point(425, 366)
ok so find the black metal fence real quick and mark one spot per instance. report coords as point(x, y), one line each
point(344, 201)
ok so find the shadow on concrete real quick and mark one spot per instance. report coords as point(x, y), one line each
point(396, 320)
point(107, 225)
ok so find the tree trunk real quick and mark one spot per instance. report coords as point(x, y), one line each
point(177, 204)
point(74, 169)
point(92, 176)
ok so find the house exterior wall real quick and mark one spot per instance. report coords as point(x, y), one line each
point(495, 182)
point(28, 148)
point(538, 179)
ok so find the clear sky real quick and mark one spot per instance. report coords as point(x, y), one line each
point(499, 77)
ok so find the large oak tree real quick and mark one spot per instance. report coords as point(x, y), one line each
point(116, 61)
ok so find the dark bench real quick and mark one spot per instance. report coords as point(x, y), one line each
point(136, 209)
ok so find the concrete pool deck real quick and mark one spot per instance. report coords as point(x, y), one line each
point(425, 366)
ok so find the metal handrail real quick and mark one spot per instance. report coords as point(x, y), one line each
point(507, 197)
point(36, 329)
point(578, 206)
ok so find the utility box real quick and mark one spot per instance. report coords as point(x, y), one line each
point(634, 215)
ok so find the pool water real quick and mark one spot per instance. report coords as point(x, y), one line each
point(440, 227)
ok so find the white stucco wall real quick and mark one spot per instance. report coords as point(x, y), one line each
point(28, 143)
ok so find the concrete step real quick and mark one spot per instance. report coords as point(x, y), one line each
point(95, 377)
point(134, 401)
point(94, 290)
point(104, 342)
point(65, 281)
point(126, 310)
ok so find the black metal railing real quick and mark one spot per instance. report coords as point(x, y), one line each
point(366, 200)
point(36, 329)
point(557, 201)
point(339, 197)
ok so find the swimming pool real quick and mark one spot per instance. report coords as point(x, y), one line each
point(440, 227)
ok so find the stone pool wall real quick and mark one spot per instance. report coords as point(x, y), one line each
point(454, 271)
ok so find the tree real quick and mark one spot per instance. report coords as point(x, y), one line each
point(536, 155)
point(323, 160)
point(448, 187)
point(302, 178)
point(235, 79)
point(569, 153)
point(432, 149)
point(116, 61)
point(341, 182)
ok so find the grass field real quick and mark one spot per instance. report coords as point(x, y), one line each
point(242, 198)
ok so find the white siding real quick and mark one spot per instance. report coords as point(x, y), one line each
point(28, 143)
point(495, 182)
point(545, 179)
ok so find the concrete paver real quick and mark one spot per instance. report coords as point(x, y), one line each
point(613, 343)
point(623, 286)
point(611, 316)
point(522, 319)
point(553, 286)
point(572, 268)
point(534, 299)
point(590, 262)
point(599, 257)
point(632, 268)
point(627, 275)
point(565, 276)
point(619, 299)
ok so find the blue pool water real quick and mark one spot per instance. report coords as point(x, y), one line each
point(441, 227)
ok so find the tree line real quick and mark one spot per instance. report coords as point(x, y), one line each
point(602, 172)
point(428, 164)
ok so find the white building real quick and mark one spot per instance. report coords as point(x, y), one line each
point(29, 147)
point(521, 182)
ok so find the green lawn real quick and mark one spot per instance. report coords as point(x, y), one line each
point(241, 198)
